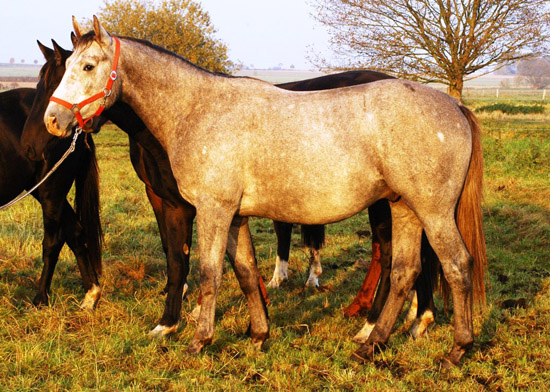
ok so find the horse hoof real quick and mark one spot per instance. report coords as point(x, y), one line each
point(161, 331)
point(275, 283)
point(312, 282)
point(447, 364)
point(357, 357)
point(195, 347)
point(91, 298)
point(40, 300)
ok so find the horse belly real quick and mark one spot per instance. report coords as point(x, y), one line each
point(318, 202)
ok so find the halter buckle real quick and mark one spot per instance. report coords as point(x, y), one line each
point(107, 92)
point(113, 75)
point(75, 108)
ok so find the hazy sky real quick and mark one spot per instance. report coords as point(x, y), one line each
point(262, 33)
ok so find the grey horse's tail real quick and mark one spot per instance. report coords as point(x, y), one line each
point(469, 215)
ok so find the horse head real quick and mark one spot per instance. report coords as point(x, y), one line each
point(89, 83)
point(34, 137)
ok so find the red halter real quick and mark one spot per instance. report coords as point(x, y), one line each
point(75, 108)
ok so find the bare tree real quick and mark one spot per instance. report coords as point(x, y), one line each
point(444, 41)
point(535, 72)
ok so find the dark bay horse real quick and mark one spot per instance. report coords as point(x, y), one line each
point(175, 216)
point(281, 155)
point(81, 229)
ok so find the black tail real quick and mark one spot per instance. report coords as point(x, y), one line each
point(87, 204)
point(313, 236)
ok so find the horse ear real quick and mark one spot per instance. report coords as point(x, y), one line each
point(47, 52)
point(76, 28)
point(60, 53)
point(101, 35)
point(73, 38)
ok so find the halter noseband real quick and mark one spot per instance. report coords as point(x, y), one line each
point(76, 107)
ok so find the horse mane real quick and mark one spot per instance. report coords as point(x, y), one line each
point(87, 39)
point(46, 70)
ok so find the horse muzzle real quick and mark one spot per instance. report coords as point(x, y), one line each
point(58, 124)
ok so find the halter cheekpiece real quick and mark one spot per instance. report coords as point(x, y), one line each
point(76, 107)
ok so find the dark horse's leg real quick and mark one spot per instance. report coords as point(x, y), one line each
point(283, 231)
point(60, 225)
point(176, 229)
point(313, 236)
point(423, 315)
point(380, 222)
point(406, 266)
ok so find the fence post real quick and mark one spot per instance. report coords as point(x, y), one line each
point(543, 94)
point(497, 92)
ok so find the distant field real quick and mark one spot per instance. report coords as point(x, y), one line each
point(19, 70)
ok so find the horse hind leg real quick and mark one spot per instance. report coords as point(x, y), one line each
point(422, 310)
point(283, 231)
point(406, 235)
point(457, 264)
point(242, 256)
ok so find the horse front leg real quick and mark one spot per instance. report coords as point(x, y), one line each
point(213, 222)
point(52, 243)
point(177, 222)
point(242, 256)
point(76, 240)
point(406, 236)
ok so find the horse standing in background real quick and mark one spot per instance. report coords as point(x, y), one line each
point(81, 230)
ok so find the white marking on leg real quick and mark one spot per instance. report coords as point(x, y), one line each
point(162, 330)
point(91, 298)
point(315, 269)
point(196, 312)
point(413, 308)
point(364, 333)
point(420, 325)
point(280, 273)
point(185, 289)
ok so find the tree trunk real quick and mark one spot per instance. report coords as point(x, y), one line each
point(454, 89)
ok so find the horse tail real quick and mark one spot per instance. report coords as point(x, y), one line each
point(469, 216)
point(87, 204)
point(313, 236)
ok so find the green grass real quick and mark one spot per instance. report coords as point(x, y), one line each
point(61, 348)
point(512, 109)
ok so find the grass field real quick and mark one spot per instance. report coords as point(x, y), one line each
point(61, 348)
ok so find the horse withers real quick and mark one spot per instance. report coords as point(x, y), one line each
point(234, 161)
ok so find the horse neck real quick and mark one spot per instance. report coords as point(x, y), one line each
point(159, 87)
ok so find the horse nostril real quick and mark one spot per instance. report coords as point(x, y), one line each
point(52, 123)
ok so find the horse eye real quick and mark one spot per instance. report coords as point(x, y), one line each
point(88, 67)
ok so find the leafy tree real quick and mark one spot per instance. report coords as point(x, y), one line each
point(180, 26)
point(444, 41)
